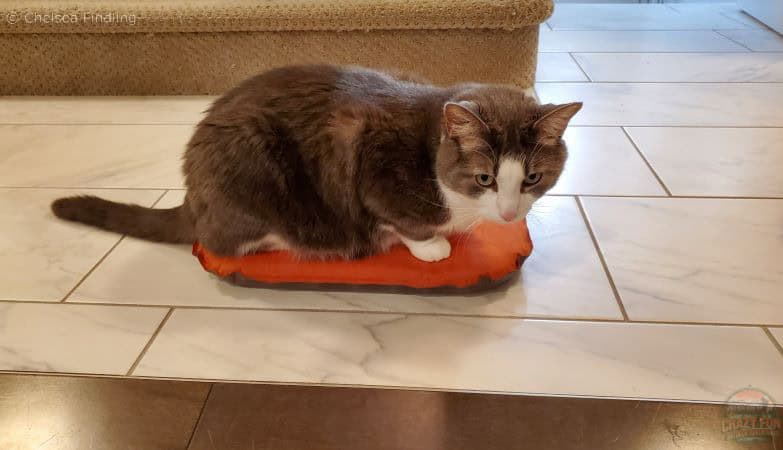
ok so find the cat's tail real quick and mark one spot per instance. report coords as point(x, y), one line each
point(162, 225)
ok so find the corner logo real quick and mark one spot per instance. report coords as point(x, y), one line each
point(751, 416)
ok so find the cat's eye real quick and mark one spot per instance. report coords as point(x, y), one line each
point(532, 178)
point(485, 180)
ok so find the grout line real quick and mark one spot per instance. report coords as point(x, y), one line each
point(601, 257)
point(584, 72)
point(149, 342)
point(691, 197)
point(742, 54)
point(649, 166)
point(711, 127)
point(359, 386)
point(200, 416)
point(778, 345)
point(105, 255)
point(733, 40)
point(660, 82)
point(680, 52)
point(669, 30)
point(191, 123)
point(407, 313)
point(92, 269)
point(81, 188)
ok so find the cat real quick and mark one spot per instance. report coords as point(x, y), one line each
point(328, 161)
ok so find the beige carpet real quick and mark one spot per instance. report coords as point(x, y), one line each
point(103, 47)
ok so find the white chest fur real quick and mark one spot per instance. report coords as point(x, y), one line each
point(465, 211)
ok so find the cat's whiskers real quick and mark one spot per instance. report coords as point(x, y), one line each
point(535, 216)
point(537, 147)
point(441, 205)
point(541, 206)
point(465, 235)
point(466, 213)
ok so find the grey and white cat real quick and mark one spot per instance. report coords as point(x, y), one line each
point(329, 161)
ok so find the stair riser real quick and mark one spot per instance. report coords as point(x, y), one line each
point(210, 63)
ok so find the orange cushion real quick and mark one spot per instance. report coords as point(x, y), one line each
point(491, 252)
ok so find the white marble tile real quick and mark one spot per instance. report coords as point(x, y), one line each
point(74, 338)
point(682, 67)
point(697, 260)
point(635, 41)
point(756, 40)
point(670, 104)
point(731, 162)
point(44, 257)
point(125, 156)
point(558, 67)
point(563, 277)
point(636, 17)
point(602, 161)
point(509, 355)
point(116, 110)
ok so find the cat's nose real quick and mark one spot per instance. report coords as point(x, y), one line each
point(508, 216)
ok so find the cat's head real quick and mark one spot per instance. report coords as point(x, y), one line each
point(500, 151)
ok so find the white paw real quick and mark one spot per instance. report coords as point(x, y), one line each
point(431, 250)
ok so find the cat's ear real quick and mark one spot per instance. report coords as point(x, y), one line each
point(462, 121)
point(549, 128)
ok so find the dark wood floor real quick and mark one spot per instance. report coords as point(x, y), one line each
point(58, 412)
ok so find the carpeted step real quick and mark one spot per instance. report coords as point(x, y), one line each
point(147, 47)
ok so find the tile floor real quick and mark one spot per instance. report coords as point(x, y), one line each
point(657, 271)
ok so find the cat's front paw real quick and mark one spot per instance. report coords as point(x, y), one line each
point(431, 250)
